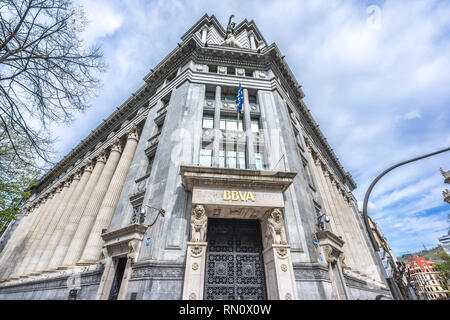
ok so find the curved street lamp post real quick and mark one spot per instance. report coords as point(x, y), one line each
point(391, 282)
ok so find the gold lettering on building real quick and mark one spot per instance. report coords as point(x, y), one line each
point(234, 195)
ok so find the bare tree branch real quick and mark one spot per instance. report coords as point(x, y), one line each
point(46, 73)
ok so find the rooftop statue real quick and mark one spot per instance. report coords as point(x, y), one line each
point(230, 27)
point(229, 38)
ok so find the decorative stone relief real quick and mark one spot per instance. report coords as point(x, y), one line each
point(196, 250)
point(284, 267)
point(132, 245)
point(199, 222)
point(195, 266)
point(192, 296)
point(275, 232)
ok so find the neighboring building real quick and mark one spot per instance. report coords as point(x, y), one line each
point(394, 268)
point(445, 242)
point(173, 197)
point(446, 193)
point(424, 279)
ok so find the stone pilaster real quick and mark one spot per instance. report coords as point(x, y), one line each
point(76, 214)
point(53, 221)
point(90, 213)
point(248, 133)
point(278, 266)
point(217, 131)
point(94, 244)
point(194, 273)
point(59, 229)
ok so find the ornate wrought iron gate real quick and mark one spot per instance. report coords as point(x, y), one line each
point(234, 261)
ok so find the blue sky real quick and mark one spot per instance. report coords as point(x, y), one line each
point(376, 75)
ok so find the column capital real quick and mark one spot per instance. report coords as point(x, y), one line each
point(77, 175)
point(132, 133)
point(88, 165)
point(67, 182)
point(59, 188)
point(116, 145)
point(101, 156)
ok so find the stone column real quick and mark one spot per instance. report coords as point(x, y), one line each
point(53, 221)
point(17, 238)
point(217, 131)
point(18, 252)
point(75, 215)
point(90, 213)
point(59, 229)
point(352, 232)
point(278, 267)
point(346, 237)
point(40, 228)
point(94, 244)
point(194, 272)
point(249, 134)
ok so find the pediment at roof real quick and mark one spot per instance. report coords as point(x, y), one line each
point(216, 34)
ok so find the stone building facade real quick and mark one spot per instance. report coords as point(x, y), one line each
point(173, 197)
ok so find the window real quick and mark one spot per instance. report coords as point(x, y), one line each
point(228, 97)
point(259, 161)
point(206, 157)
point(254, 124)
point(208, 121)
point(231, 70)
point(148, 170)
point(249, 73)
point(252, 99)
point(232, 159)
point(308, 173)
point(210, 95)
point(230, 123)
point(212, 69)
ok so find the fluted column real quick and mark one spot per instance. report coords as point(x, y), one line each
point(346, 237)
point(75, 215)
point(90, 213)
point(18, 253)
point(94, 244)
point(17, 238)
point(347, 226)
point(318, 163)
point(52, 222)
point(31, 245)
point(67, 210)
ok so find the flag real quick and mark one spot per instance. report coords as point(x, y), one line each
point(239, 99)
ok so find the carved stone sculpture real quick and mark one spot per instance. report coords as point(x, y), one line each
point(275, 232)
point(199, 222)
point(132, 245)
